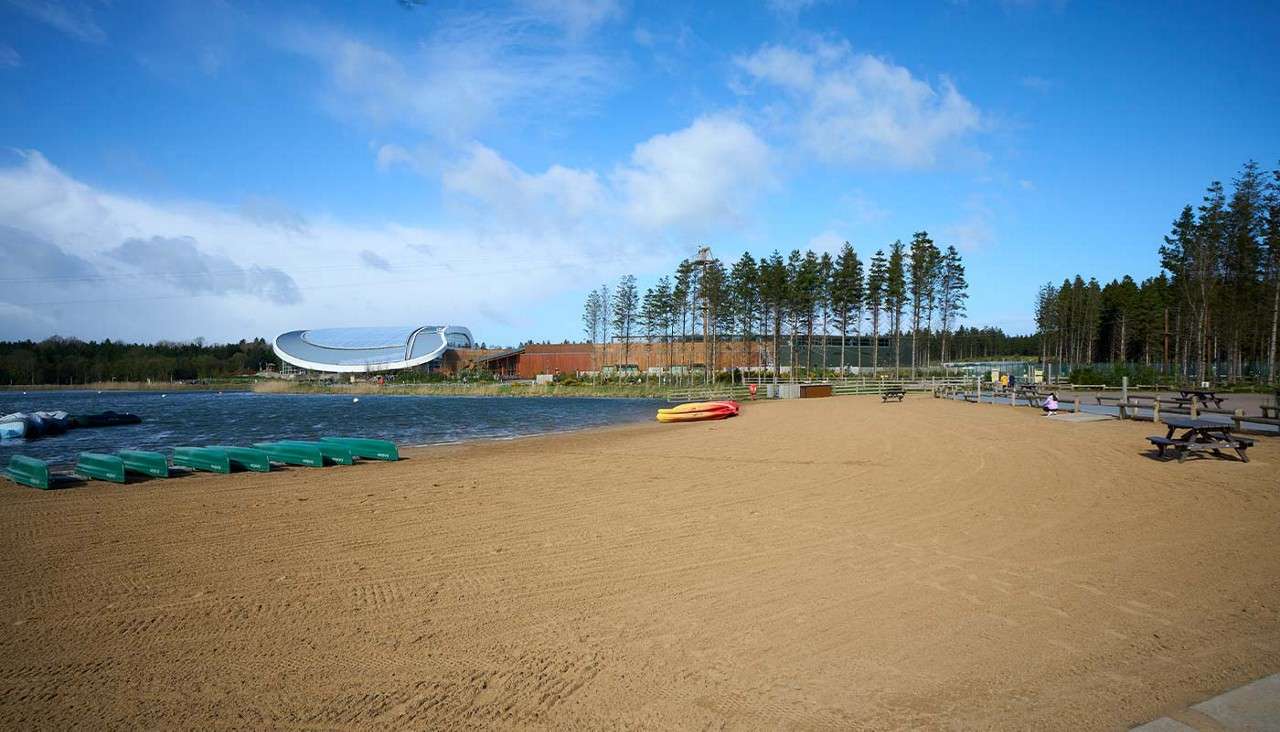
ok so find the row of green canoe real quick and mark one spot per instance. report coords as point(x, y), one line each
point(213, 458)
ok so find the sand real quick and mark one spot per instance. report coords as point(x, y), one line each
point(835, 563)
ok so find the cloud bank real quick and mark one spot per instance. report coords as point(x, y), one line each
point(858, 109)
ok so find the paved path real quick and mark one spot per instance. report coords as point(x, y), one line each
point(1254, 707)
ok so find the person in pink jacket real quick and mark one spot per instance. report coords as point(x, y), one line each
point(1050, 406)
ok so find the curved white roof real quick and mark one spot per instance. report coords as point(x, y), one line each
point(355, 350)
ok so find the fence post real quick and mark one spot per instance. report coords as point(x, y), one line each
point(1195, 408)
point(979, 401)
point(1012, 403)
point(1076, 405)
point(1155, 410)
point(1124, 389)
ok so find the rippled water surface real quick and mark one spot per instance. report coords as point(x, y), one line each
point(237, 418)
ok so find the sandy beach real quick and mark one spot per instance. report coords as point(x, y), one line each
point(835, 563)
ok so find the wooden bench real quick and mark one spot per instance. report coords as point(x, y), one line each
point(888, 394)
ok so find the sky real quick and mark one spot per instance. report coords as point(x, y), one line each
point(224, 170)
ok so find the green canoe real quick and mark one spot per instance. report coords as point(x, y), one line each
point(202, 458)
point(292, 454)
point(247, 458)
point(97, 466)
point(143, 462)
point(332, 451)
point(28, 471)
point(367, 449)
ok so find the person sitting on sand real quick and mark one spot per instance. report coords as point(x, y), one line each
point(1050, 406)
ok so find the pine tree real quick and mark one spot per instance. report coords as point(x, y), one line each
point(795, 302)
point(895, 299)
point(846, 294)
point(1271, 238)
point(825, 269)
point(591, 322)
point(774, 294)
point(1242, 264)
point(744, 290)
point(921, 279)
point(953, 291)
point(625, 304)
point(663, 312)
point(877, 278)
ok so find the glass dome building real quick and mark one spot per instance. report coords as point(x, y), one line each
point(364, 350)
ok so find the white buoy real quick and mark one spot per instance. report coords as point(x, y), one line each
point(355, 399)
point(162, 396)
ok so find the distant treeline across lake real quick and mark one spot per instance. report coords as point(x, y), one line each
point(71, 361)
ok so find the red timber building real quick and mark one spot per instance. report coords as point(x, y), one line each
point(528, 361)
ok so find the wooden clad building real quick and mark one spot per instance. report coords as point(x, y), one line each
point(530, 360)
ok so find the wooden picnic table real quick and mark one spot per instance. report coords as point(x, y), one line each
point(1200, 435)
point(1201, 395)
point(893, 392)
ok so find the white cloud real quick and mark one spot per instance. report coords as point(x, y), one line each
point(863, 209)
point(827, 241)
point(73, 18)
point(271, 212)
point(558, 196)
point(180, 263)
point(975, 230)
point(100, 264)
point(458, 80)
point(1036, 83)
point(577, 17)
point(374, 260)
point(790, 8)
point(696, 179)
point(9, 57)
point(22, 323)
point(858, 109)
point(706, 173)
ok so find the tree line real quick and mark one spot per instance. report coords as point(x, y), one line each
point(914, 295)
point(1214, 309)
point(59, 360)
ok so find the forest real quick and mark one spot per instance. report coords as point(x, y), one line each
point(70, 361)
point(907, 302)
point(1211, 313)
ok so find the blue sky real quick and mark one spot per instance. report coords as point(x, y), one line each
point(229, 170)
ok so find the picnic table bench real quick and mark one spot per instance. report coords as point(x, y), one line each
point(893, 392)
point(1200, 435)
point(1270, 411)
point(1200, 395)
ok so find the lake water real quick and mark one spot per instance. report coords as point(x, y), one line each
point(239, 418)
